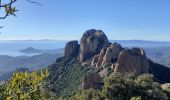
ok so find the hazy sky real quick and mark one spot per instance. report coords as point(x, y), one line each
point(68, 19)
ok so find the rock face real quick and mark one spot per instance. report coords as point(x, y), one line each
point(107, 55)
point(71, 49)
point(91, 80)
point(133, 61)
point(103, 72)
point(91, 43)
point(112, 53)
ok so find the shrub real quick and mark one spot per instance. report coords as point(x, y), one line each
point(26, 86)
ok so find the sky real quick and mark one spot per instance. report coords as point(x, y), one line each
point(68, 19)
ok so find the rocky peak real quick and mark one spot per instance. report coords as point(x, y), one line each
point(71, 49)
point(133, 61)
point(94, 44)
point(91, 43)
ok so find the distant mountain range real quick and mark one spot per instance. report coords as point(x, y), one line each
point(142, 43)
point(65, 41)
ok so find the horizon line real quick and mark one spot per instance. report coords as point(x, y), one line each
point(79, 40)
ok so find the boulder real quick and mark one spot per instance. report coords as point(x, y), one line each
point(133, 61)
point(91, 80)
point(165, 86)
point(103, 72)
point(91, 44)
point(113, 66)
point(71, 49)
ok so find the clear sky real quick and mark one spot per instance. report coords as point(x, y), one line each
point(68, 19)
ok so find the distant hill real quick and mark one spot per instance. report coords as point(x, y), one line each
point(8, 64)
point(31, 50)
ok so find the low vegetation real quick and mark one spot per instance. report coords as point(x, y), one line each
point(63, 81)
point(119, 87)
point(66, 77)
point(25, 86)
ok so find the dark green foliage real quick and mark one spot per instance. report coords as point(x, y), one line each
point(2, 89)
point(120, 87)
point(66, 76)
point(148, 89)
point(90, 94)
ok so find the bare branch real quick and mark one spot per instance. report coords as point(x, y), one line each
point(11, 2)
point(4, 16)
point(35, 2)
point(8, 9)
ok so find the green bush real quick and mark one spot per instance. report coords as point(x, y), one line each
point(120, 87)
point(25, 86)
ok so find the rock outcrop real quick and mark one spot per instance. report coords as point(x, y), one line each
point(71, 49)
point(112, 53)
point(133, 61)
point(94, 44)
point(91, 80)
point(98, 59)
point(91, 44)
point(107, 55)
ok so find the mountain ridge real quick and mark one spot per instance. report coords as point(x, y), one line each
point(101, 59)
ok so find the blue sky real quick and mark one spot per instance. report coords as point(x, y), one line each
point(68, 19)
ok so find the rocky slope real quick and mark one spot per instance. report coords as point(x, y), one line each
point(97, 55)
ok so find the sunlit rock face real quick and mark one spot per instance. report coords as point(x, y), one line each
point(132, 61)
point(107, 55)
point(91, 43)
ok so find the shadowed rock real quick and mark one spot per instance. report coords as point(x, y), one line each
point(92, 80)
point(71, 49)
